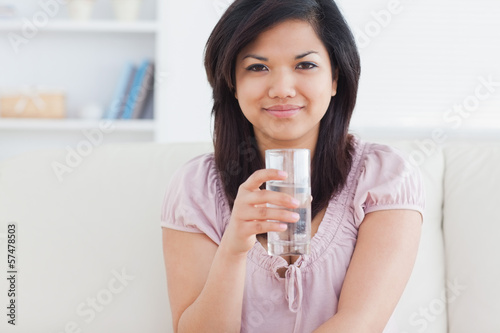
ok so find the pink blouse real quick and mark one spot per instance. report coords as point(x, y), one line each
point(380, 178)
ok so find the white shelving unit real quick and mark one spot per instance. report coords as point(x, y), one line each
point(69, 125)
point(99, 26)
point(83, 58)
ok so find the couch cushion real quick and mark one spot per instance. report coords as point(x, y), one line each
point(472, 232)
point(89, 253)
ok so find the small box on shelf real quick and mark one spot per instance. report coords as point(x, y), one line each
point(33, 103)
point(127, 10)
point(80, 10)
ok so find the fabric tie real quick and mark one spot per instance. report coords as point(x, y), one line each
point(293, 288)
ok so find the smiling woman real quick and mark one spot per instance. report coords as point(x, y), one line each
point(285, 74)
point(320, 28)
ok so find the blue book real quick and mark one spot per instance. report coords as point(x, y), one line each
point(148, 110)
point(135, 90)
point(121, 91)
point(147, 88)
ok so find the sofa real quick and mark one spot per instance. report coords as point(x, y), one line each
point(81, 247)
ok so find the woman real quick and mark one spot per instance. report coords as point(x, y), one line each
point(285, 74)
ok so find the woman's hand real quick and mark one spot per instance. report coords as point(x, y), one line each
point(250, 213)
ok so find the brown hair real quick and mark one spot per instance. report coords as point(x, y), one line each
point(235, 148)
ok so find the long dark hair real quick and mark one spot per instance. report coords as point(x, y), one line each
point(236, 152)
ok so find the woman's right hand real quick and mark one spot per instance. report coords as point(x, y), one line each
point(250, 213)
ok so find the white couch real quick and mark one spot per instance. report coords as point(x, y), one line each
point(89, 255)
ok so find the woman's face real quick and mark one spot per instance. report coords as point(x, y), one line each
point(284, 85)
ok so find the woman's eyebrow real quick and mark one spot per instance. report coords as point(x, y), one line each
point(256, 57)
point(300, 56)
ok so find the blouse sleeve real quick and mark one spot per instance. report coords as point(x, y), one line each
point(387, 181)
point(194, 201)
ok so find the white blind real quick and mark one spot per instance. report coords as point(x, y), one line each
point(425, 62)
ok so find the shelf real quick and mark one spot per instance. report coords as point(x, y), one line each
point(87, 26)
point(133, 125)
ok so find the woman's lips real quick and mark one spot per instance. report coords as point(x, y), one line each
point(283, 111)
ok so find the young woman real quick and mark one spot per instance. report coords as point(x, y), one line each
point(285, 74)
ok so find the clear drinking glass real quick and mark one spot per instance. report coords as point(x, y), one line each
point(296, 162)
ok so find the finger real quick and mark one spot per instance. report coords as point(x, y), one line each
point(268, 213)
point(272, 197)
point(259, 177)
point(260, 227)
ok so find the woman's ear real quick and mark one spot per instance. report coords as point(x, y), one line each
point(335, 81)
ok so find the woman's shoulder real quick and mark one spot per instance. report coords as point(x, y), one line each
point(196, 177)
point(379, 154)
point(204, 162)
point(380, 163)
point(196, 170)
point(387, 179)
point(194, 200)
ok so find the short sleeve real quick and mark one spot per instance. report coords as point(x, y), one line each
point(387, 181)
point(194, 201)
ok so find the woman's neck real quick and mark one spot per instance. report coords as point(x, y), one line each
point(264, 143)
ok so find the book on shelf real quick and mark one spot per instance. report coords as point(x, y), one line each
point(140, 91)
point(133, 97)
point(7, 11)
point(147, 112)
point(120, 95)
point(144, 93)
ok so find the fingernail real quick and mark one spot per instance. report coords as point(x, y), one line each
point(296, 216)
point(295, 201)
point(282, 173)
point(283, 226)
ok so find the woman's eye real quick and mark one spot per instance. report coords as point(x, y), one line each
point(306, 65)
point(257, 68)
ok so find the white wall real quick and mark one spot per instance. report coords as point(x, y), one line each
point(427, 62)
point(186, 92)
point(417, 65)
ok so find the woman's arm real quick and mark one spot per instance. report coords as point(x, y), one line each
point(380, 267)
point(206, 281)
point(205, 286)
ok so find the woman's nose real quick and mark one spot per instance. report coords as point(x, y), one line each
point(282, 85)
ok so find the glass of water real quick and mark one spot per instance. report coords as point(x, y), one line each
point(296, 239)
